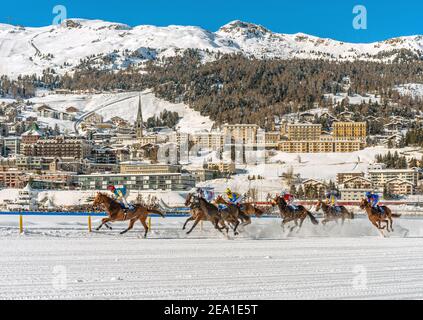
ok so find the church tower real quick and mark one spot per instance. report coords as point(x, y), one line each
point(139, 122)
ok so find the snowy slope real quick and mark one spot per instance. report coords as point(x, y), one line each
point(124, 105)
point(31, 50)
point(414, 90)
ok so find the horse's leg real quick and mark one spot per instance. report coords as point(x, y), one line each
point(197, 221)
point(144, 224)
point(130, 227)
point(236, 227)
point(186, 222)
point(103, 222)
point(296, 225)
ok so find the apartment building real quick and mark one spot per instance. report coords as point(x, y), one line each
point(12, 178)
point(137, 182)
point(147, 168)
point(380, 178)
point(208, 140)
point(241, 133)
point(350, 130)
point(341, 177)
point(321, 146)
point(400, 187)
point(60, 147)
point(222, 167)
point(304, 132)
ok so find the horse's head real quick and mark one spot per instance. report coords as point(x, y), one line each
point(188, 200)
point(319, 205)
point(100, 199)
point(364, 204)
point(275, 201)
point(220, 200)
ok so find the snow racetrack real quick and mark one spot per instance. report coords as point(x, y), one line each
point(57, 259)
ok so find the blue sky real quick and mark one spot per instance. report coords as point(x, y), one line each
point(324, 18)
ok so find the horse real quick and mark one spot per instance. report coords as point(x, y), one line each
point(376, 217)
point(197, 215)
point(235, 211)
point(250, 210)
point(289, 214)
point(332, 215)
point(116, 213)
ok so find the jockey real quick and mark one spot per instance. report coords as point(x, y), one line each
point(206, 194)
point(289, 199)
point(332, 198)
point(233, 197)
point(120, 194)
point(373, 199)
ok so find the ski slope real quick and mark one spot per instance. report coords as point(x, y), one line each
point(57, 259)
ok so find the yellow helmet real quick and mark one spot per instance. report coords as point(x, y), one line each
point(228, 191)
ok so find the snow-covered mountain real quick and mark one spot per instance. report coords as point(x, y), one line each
point(31, 50)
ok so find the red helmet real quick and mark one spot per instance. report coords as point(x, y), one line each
point(111, 188)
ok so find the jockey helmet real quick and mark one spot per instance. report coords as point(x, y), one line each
point(111, 188)
point(228, 191)
point(368, 194)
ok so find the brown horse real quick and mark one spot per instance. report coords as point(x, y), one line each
point(198, 215)
point(116, 213)
point(251, 210)
point(288, 214)
point(331, 214)
point(376, 218)
point(235, 211)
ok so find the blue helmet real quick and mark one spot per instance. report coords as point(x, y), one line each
point(368, 194)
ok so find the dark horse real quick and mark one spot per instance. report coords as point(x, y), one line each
point(332, 214)
point(376, 217)
point(198, 214)
point(116, 213)
point(288, 214)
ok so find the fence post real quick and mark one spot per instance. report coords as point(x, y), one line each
point(149, 224)
point(89, 224)
point(21, 224)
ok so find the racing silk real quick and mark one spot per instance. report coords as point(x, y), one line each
point(120, 194)
point(374, 200)
point(289, 198)
point(234, 198)
point(208, 195)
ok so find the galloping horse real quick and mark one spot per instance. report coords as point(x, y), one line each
point(250, 210)
point(332, 215)
point(289, 214)
point(197, 214)
point(376, 218)
point(235, 211)
point(116, 213)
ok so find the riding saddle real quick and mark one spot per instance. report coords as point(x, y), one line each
point(293, 207)
point(336, 209)
point(378, 210)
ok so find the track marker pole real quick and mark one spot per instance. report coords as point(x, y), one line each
point(21, 224)
point(89, 224)
point(149, 224)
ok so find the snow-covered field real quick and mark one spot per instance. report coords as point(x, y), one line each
point(56, 258)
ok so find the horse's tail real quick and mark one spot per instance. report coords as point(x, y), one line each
point(154, 211)
point(396, 215)
point(312, 218)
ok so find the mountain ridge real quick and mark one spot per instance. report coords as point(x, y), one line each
point(30, 50)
